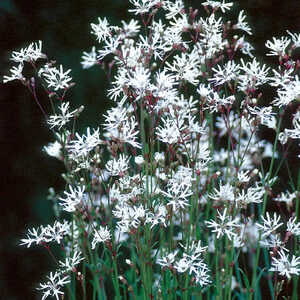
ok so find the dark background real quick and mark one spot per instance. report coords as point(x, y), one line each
point(26, 172)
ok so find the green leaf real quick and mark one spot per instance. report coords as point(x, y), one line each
point(245, 279)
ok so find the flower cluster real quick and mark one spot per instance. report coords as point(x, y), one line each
point(179, 157)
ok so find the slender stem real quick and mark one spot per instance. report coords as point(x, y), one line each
point(33, 92)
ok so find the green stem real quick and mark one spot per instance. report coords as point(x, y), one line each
point(116, 279)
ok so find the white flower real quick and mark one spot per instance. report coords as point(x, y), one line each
point(217, 4)
point(111, 45)
point(245, 46)
point(63, 118)
point(192, 263)
point(56, 78)
point(130, 29)
point(254, 194)
point(238, 241)
point(140, 81)
point(126, 132)
point(178, 196)
point(182, 178)
point(284, 266)
point(286, 197)
point(224, 194)
point(101, 235)
point(142, 6)
point(182, 265)
point(273, 241)
point(115, 117)
point(159, 156)
point(165, 86)
point(294, 133)
point(128, 188)
point(241, 24)
point(132, 54)
point(158, 217)
point(202, 277)
point(180, 24)
point(32, 53)
point(139, 160)
point(195, 248)
point(278, 46)
point(53, 286)
point(269, 225)
point(214, 100)
point(202, 154)
point(173, 8)
point(293, 226)
point(89, 59)
point(73, 199)
point(288, 93)
point(212, 41)
point(84, 144)
point(71, 262)
point(53, 149)
point(119, 85)
point(265, 115)
point(171, 131)
point(295, 39)
point(228, 72)
point(56, 232)
point(172, 37)
point(161, 174)
point(34, 236)
point(167, 261)
point(281, 79)
point(224, 226)
point(243, 176)
point(155, 46)
point(102, 30)
point(255, 75)
point(185, 67)
point(117, 167)
point(47, 234)
point(130, 217)
point(204, 90)
point(16, 74)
